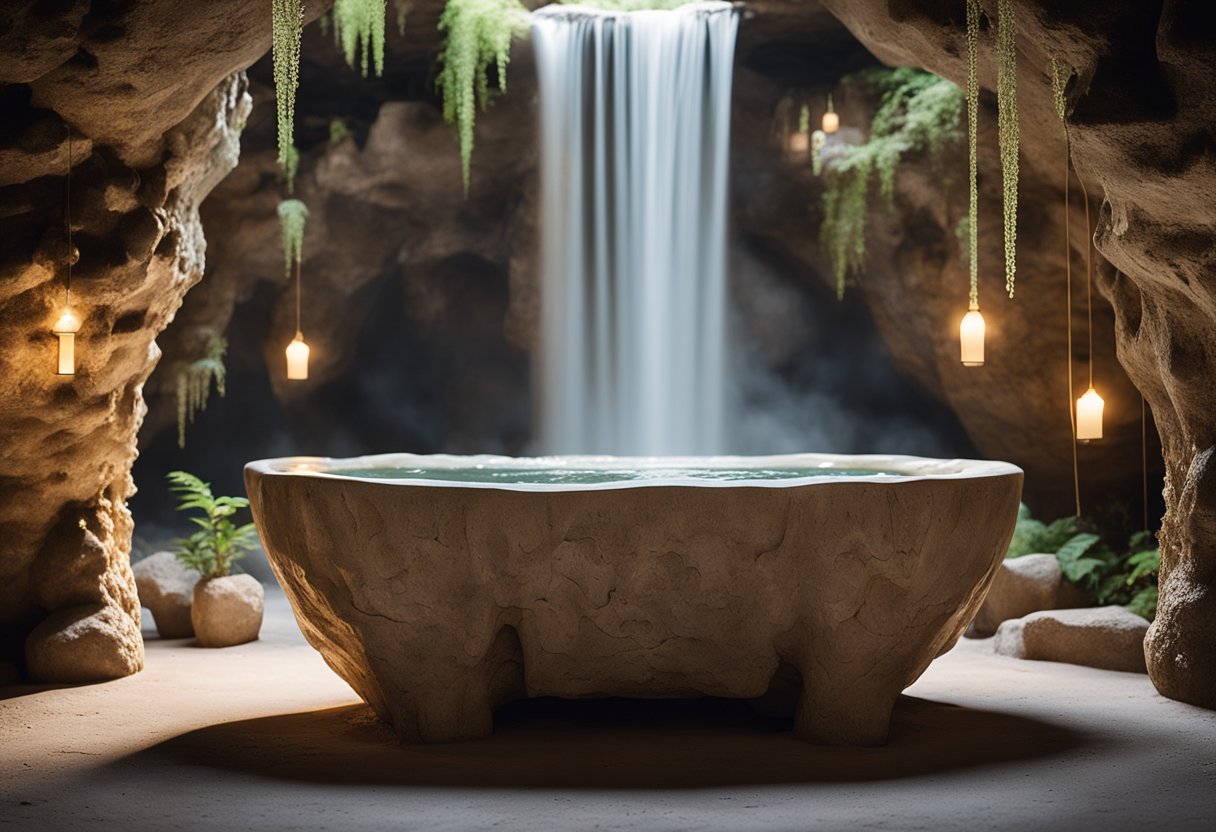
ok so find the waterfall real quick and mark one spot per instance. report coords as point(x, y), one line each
point(635, 129)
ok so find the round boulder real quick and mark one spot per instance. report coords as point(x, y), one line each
point(1111, 638)
point(227, 610)
point(91, 643)
point(166, 587)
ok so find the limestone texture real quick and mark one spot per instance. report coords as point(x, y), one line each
point(438, 603)
point(228, 610)
point(1024, 585)
point(166, 587)
point(1110, 638)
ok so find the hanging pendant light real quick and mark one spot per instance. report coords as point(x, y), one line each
point(831, 119)
point(297, 358)
point(1089, 416)
point(971, 339)
point(799, 141)
point(68, 324)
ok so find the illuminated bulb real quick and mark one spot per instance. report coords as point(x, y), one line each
point(66, 328)
point(971, 339)
point(1089, 416)
point(297, 359)
point(800, 141)
point(831, 121)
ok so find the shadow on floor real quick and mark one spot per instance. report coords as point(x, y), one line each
point(610, 744)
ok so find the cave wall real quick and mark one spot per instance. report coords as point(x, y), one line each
point(1142, 131)
point(155, 101)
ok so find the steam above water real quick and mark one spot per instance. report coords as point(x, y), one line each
point(635, 132)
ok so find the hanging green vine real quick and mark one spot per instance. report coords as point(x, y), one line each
point(1007, 128)
point(403, 9)
point(292, 215)
point(918, 111)
point(194, 383)
point(973, 114)
point(359, 28)
point(479, 34)
point(287, 25)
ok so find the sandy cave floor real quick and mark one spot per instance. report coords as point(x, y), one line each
point(266, 737)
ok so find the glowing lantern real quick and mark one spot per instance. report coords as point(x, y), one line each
point(1089, 416)
point(66, 328)
point(297, 359)
point(831, 120)
point(971, 339)
point(799, 143)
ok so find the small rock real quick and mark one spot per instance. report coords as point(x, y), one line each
point(1111, 638)
point(166, 587)
point(1021, 586)
point(92, 643)
point(227, 610)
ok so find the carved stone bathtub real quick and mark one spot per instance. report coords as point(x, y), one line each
point(438, 598)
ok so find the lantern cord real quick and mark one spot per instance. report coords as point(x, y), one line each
point(1089, 281)
point(67, 218)
point(1144, 454)
point(1072, 416)
point(298, 289)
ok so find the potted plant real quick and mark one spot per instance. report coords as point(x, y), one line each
point(227, 609)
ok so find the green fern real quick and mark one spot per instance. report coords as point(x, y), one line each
point(478, 36)
point(218, 542)
point(918, 111)
point(194, 383)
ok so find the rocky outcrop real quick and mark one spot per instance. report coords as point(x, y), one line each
point(155, 114)
point(1141, 132)
point(1110, 638)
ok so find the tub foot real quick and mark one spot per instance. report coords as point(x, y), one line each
point(831, 711)
point(456, 710)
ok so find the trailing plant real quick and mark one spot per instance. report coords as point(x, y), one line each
point(478, 36)
point(359, 28)
point(1108, 573)
point(293, 214)
point(218, 542)
point(338, 131)
point(194, 383)
point(918, 111)
point(1007, 130)
point(403, 9)
point(973, 194)
point(287, 27)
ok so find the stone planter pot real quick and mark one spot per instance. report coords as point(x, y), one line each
point(227, 610)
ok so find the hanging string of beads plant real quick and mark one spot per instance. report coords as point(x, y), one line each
point(971, 329)
point(1007, 130)
point(359, 28)
point(68, 325)
point(478, 36)
point(287, 27)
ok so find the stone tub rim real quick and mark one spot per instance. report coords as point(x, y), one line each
point(906, 469)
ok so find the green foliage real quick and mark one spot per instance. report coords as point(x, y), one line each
point(973, 192)
point(218, 542)
point(478, 36)
point(293, 214)
point(1007, 130)
point(917, 111)
point(1109, 574)
point(287, 27)
point(403, 8)
point(359, 28)
point(194, 383)
point(338, 131)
